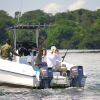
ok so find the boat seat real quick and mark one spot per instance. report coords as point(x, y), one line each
point(42, 65)
point(45, 65)
point(53, 70)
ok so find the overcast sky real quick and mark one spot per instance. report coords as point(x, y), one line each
point(49, 6)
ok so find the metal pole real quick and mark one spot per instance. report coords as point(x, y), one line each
point(15, 39)
point(37, 36)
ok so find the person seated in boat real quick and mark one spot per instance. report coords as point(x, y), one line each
point(52, 57)
point(6, 49)
point(42, 51)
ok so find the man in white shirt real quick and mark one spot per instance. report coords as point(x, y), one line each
point(52, 57)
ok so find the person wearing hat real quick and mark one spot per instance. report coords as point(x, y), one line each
point(42, 51)
point(52, 57)
point(6, 49)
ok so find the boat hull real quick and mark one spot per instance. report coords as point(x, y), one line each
point(18, 79)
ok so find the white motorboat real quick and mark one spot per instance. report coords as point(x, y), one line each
point(23, 71)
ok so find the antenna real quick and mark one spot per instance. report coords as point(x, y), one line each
point(19, 15)
point(21, 6)
point(20, 10)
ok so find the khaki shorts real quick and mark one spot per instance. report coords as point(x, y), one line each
point(60, 68)
point(63, 70)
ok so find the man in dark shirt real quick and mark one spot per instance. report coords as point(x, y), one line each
point(42, 51)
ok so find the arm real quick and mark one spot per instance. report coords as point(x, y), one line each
point(58, 57)
point(12, 51)
point(43, 50)
point(44, 53)
point(1, 51)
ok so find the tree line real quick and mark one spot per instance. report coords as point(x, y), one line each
point(79, 29)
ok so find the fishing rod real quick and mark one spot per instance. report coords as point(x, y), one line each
point(65, 55)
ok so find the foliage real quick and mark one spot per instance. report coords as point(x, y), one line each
point(79, 29)
point(5, 22)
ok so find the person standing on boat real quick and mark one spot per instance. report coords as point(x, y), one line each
point(42, 51)
point(52, 58)
point(6, 49)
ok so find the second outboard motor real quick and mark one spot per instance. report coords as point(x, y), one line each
point(77, 77)
point(46, 75)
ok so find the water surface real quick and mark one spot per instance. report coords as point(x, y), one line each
point(91, 91)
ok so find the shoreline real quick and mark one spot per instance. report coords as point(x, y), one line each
point(80, 51)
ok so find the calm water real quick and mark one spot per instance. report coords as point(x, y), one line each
point(91, 63)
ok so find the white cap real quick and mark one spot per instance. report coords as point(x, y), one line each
point(53, 48)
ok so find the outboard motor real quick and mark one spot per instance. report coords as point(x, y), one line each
point(46, 75)
point(77, 76)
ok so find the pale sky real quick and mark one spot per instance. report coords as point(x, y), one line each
point(49, 6)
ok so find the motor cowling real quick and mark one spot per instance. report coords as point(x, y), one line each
point(77, 77)
point(46, 75)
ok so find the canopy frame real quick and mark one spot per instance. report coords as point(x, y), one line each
point(27, 27)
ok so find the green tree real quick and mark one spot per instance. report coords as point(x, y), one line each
point(5, 22)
